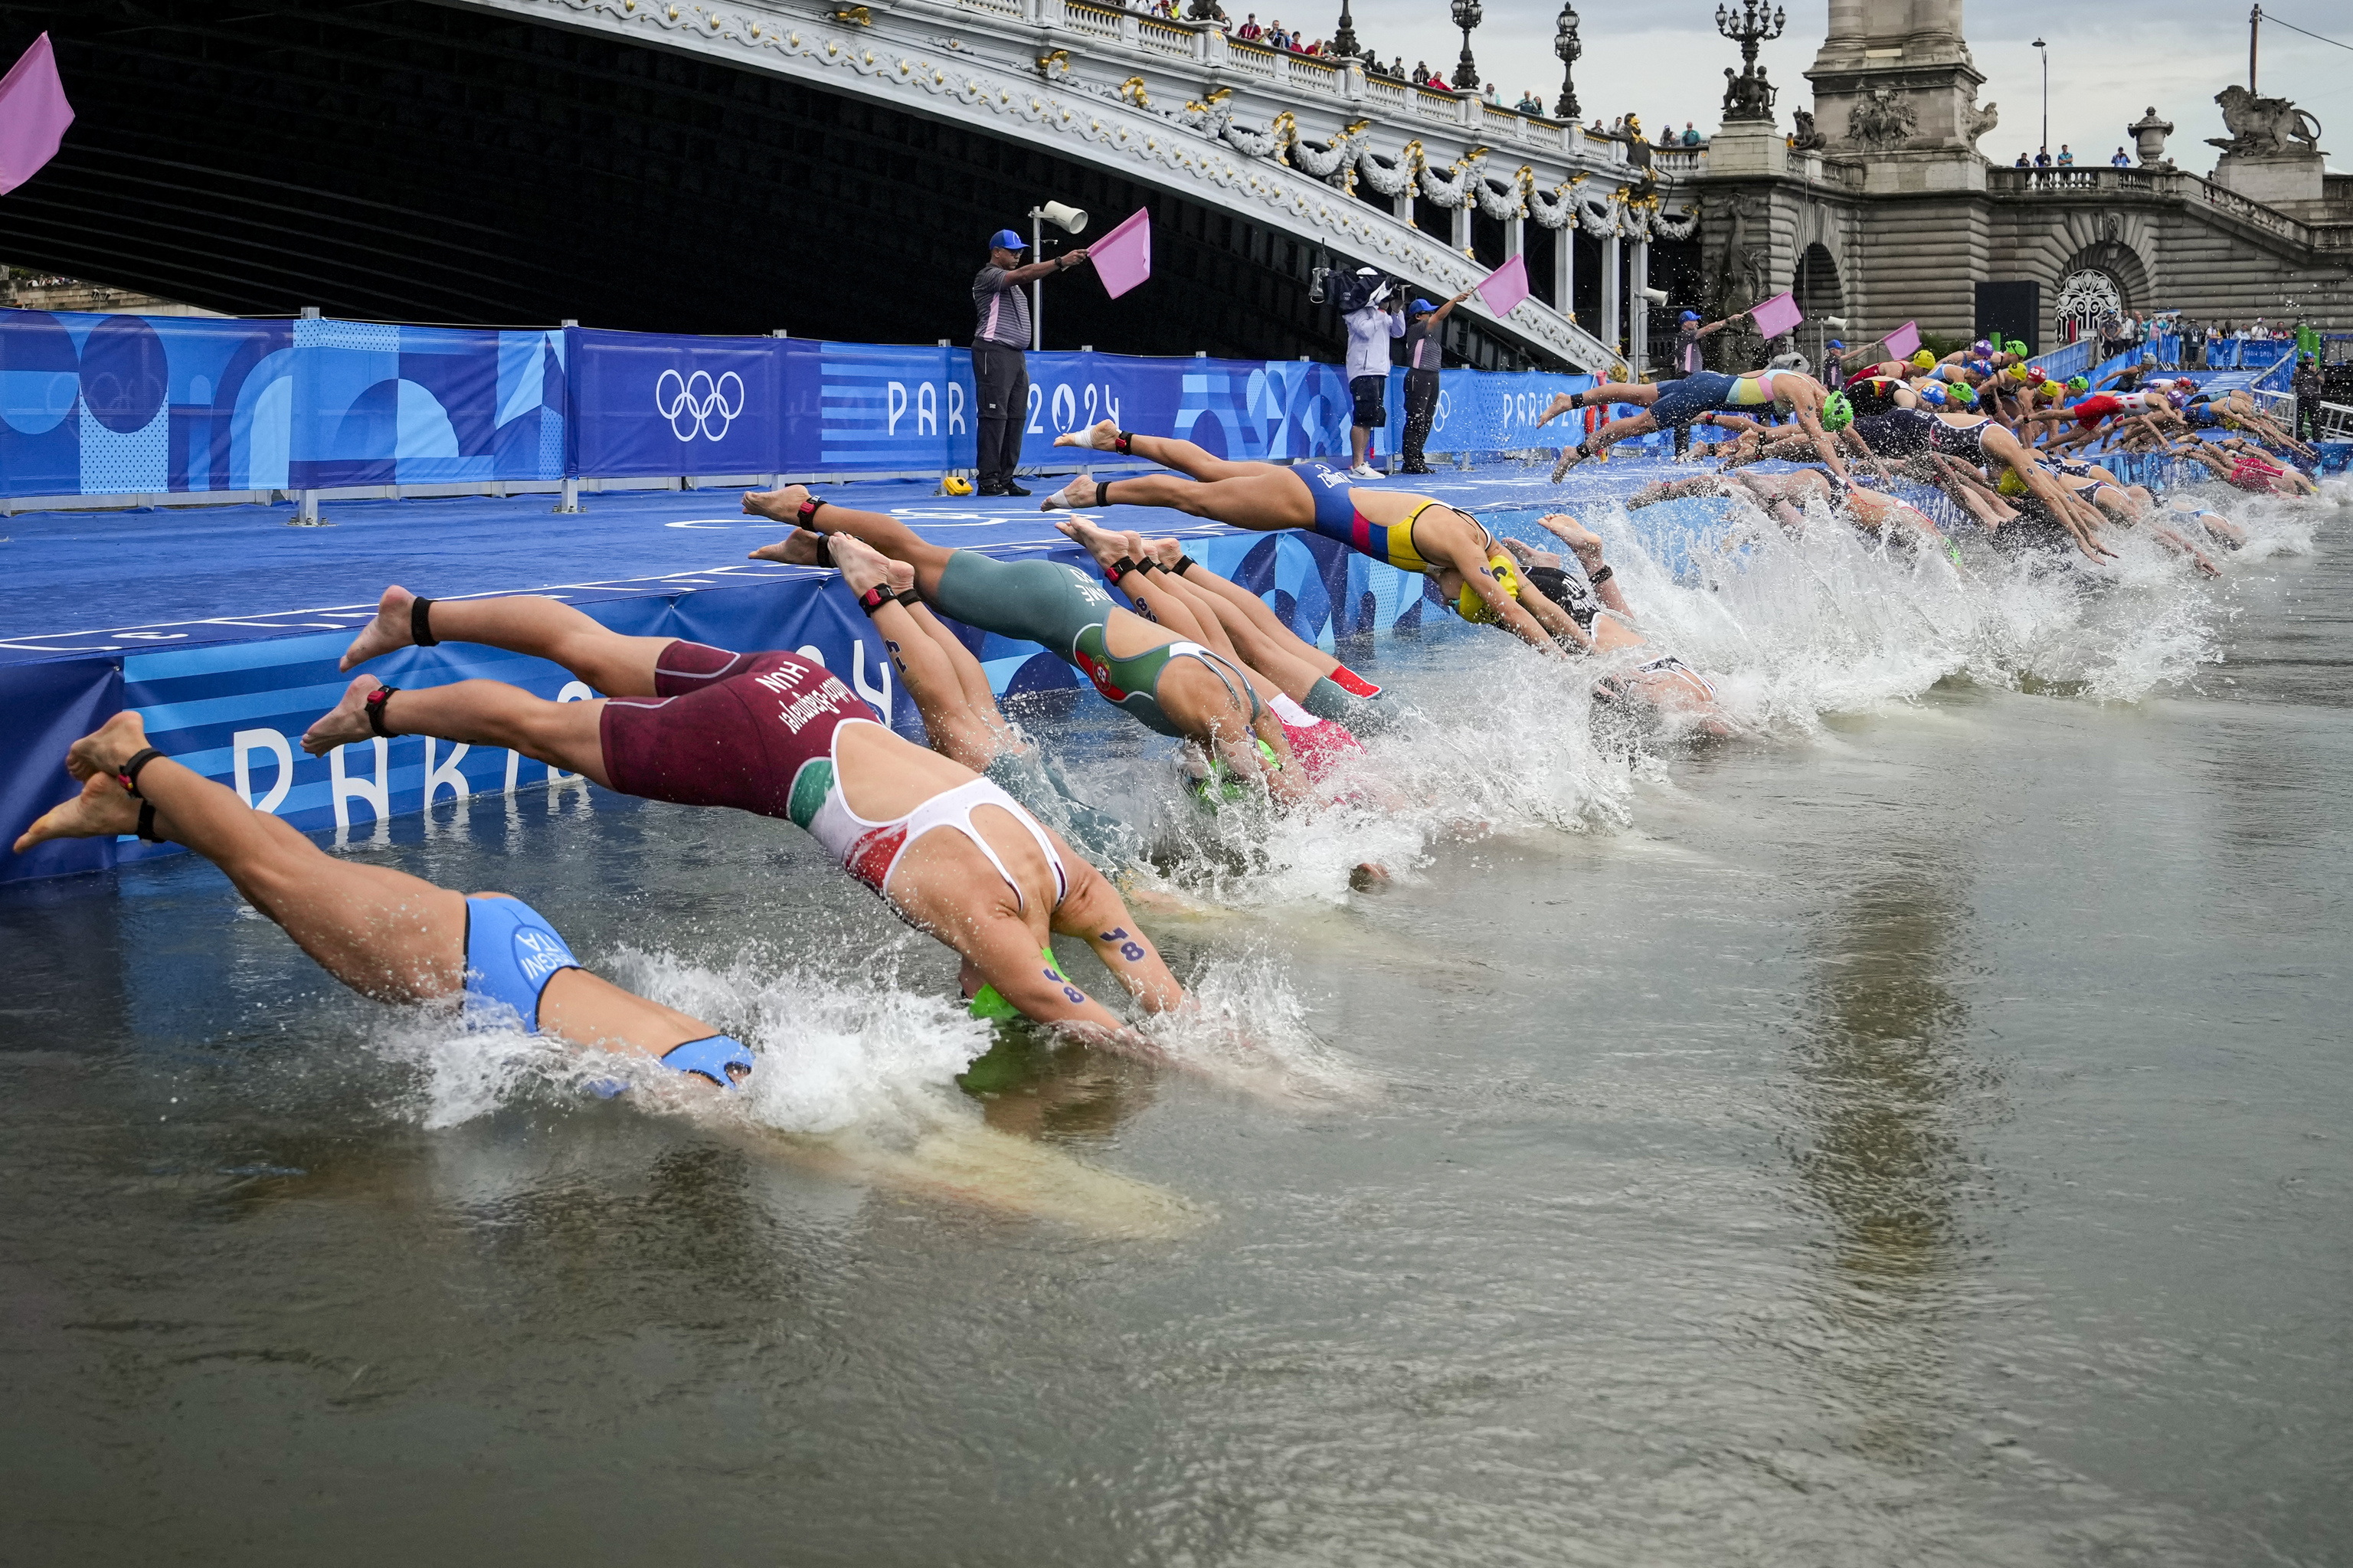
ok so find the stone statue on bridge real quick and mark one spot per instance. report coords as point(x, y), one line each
point(2263, 125)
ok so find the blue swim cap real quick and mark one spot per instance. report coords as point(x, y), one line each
point(1933, 394)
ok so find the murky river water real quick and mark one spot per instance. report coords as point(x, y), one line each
point(1918, 1134)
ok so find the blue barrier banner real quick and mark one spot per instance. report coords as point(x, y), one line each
point(236, 712)
point(44, 709)
point(893, 410)
point(95, 405)
point(655, 406)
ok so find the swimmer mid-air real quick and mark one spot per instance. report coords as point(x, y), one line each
point(1664, 406)
point(1412, 533)
point(385, 934)
point(774, 734)
point(1168, 683)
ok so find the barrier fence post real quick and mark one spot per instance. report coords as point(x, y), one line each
point(306, 502)
point(567, 499)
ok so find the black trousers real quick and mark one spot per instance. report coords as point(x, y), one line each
point(1001, 387)
point(1421, 412)
point(2307, 417)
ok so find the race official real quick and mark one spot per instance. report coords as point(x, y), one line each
point(1001, 363)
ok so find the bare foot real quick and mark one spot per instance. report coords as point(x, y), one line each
point(1167, 552)
point(1368, 876)
point(1103, 545)
point(782, 505)
point(108, 747)
point(1081, 491)
point(1103, 436)
point(1575, 535)
point(798, 548)
point(104, 809)
point(863, 565)
point(387, 632)
point(1132, 546)
point(1528, 555)
point(1569, 457)
point(345, 722)
point(1562, 403)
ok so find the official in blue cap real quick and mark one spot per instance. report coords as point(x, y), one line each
point(1000, 366)
point(1425, 345)
point(1690, 358)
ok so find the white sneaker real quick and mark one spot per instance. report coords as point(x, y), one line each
point(1366, 470)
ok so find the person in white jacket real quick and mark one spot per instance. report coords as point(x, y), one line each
point(1371, 326)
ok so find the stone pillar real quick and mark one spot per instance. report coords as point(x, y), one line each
point(1638, 332)
point(1612, 283)
point(1402, 204)
point(1463, 226)
point(1515, 237)
point(1563, 270)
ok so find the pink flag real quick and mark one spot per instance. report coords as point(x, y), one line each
point(1776, 316)
point(1123, 258)
point(1904, 342)
point(34, 114)
point(1507, 286)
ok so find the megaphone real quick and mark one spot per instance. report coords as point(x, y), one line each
point(1069, 219)
point(1656, 296)
point(1839, 322)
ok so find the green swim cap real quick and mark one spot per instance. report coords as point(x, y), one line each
point(2078, 384)
point(2017, 349)
point(1221, 785)
point(1837, 412)
point(1961, 392)
point(989, 1002)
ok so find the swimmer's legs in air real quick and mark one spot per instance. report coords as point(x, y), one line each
point(1259, 495)
point(385, 934)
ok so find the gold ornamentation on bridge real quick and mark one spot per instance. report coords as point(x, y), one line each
point(1131, 90)
point(855, 16)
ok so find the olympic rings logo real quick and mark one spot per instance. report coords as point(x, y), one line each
point(696, 405)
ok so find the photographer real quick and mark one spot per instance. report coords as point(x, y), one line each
point(1375, 314)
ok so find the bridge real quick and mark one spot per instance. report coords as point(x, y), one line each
point(827, 169)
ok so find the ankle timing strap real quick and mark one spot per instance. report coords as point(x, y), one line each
point(421, 622)
point(376, 701)
point(129, 773)
point(1120, 443)
point(147, 823)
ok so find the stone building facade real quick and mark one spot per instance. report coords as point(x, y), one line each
point(1879, 208)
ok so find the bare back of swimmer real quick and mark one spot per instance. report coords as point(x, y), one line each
point(773, 734)
point(383, 933)
point(1413, 532)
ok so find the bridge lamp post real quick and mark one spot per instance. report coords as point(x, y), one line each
point(1071, 220)
point(1565, 45)
point(2045, 50)
point(1467, 15)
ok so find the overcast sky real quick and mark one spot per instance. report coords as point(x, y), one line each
point(2108, 62)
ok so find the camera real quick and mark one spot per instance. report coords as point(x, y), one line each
point(1355, 288)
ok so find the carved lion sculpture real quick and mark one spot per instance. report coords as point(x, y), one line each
point(2263, 124)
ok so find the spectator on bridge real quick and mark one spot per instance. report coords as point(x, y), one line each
point(1250, 28)
point(2306, 385)
point(1370, 328)
point(1530, 104)
point(2021, 162)
point(2042, 158)
point(1000, 366)
point(2120, 161)
point(1691, 136)
point(2066, 158)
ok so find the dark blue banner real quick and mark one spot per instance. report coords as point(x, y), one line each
point(648, 406)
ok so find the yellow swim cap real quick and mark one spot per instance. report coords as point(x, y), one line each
point(1476, 610)
point(1925, 360)
point(2012, 483)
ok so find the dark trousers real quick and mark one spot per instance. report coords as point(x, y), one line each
point(1421, 410)
point(2307, 417)
point(1001, 387)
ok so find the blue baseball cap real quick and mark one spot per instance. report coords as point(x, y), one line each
point(1006, 239)
point(1836, 344)
point(1424, 307)
point(1689, 315)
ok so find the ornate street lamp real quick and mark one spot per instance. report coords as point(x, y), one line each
point(1565, 44)
point(1467, 15)
point(1344, 42)
point(1750, 96)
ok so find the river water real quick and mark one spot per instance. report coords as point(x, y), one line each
point(1914, 1132)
